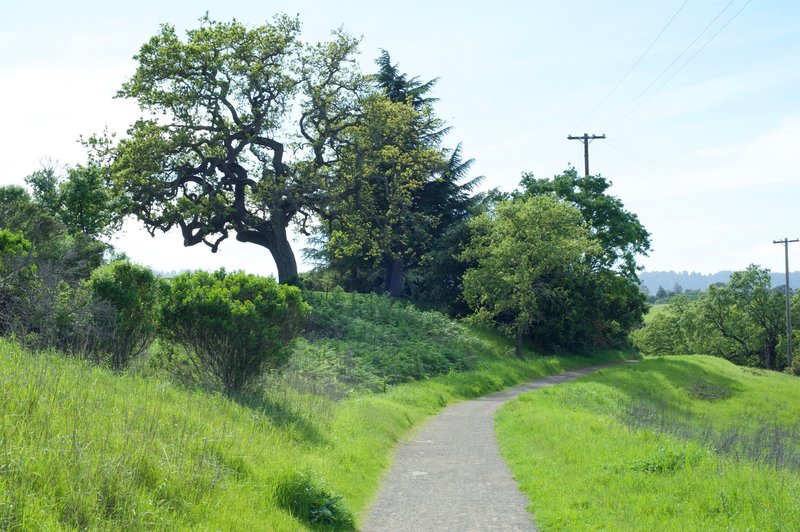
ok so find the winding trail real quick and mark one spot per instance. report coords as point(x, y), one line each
point(450, 476)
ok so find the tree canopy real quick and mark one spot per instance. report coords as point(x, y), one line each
point(239, 130)
point(521, 249)
point(620, 233)
point(742, 321)
point(399, 190)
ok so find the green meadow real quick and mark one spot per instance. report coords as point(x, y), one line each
point(673, 443)
point(82, 447)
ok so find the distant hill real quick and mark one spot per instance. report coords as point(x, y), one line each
point(701, 281)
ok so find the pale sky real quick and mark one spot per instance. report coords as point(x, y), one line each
point(703, 132)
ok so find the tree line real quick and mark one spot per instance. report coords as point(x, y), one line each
point(249, 133)
point(743, 320)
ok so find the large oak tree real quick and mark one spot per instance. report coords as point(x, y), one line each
point(240, 130)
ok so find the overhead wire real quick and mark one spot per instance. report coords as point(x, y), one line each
point(675, 73)
point(635, 64)
point(663, 72)
point(703, 203)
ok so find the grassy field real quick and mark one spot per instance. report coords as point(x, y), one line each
point(85, 448)
point(654, 310)
point(674, 443)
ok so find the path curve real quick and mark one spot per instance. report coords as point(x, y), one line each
point(450, 476)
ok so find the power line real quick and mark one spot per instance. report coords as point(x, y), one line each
point(652, 169)
point(635, 64)
point(614, 119)
point(684, 64)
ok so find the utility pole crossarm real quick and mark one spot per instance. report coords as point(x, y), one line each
point(585, 138)
point(786, 243)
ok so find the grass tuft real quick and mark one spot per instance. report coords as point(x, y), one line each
point(311, 503)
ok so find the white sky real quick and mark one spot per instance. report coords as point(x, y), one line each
point(707, 161)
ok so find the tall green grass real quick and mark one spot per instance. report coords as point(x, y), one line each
point(678, 443)
point(86, 448)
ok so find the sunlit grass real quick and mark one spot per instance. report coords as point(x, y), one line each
point(85, 448)
point(654, 310)
point(678, 443)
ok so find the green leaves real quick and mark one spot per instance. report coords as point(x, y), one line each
point(619, 232)
point(519, 249)
point(235, 325)
point(240, 126)
point(742, 321)
point(134, 295)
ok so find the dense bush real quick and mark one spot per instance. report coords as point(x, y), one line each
point(43, 271)
point(234, 325)
point(126, 306)
point(16, 275)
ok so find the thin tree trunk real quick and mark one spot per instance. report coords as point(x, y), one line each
point(394, 277)
point(518, 343)
point(770, 353)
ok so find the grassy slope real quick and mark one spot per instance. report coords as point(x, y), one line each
point(678, 443)
point(654, 311)
point(81, 447)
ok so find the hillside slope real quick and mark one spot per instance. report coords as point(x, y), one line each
point(83, 447)
point(673, 443)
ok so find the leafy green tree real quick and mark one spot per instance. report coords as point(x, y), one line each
point(80, 200)
point(58, 253)
point(400, 212)
point(241, 128)
point(54, 262)
point(621, 235)
point(742, 321)
point(15, 257)
point(749, 313)
point(519, 249)
point(385, 167)
point(17, 276)
point(235, 325)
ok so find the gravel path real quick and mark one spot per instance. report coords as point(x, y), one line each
point(450, 476)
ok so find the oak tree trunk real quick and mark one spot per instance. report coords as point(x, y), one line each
point(394, 277)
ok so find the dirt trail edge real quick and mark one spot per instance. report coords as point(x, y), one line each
point(450, 476)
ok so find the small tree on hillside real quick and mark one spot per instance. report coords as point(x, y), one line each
point(518, 249)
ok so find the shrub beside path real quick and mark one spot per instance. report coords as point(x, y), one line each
point(450, 476)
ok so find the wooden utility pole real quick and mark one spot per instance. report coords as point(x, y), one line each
point(585, 139)
point(785, 243)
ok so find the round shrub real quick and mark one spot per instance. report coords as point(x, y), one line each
point(126, 300)
point(234, 325)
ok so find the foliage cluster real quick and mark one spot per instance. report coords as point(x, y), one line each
point(665, 457)
point(235, 325)
point(743, 321)
point(54, 293)
point(43, 260)
point(556, 260)
point(133, 296)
